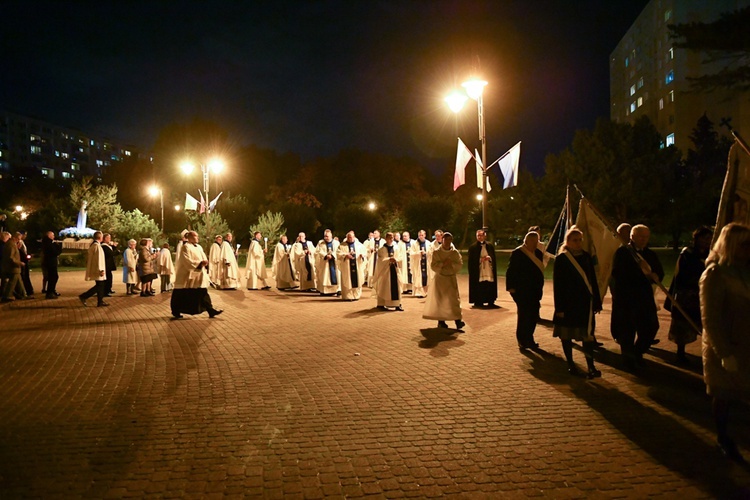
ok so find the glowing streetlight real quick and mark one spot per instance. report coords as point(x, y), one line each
point(177, 208)
point(372, 206)
point(157, 191)
point(475, 88)
point(19, 208)
point(214, 165)
point(480, 197)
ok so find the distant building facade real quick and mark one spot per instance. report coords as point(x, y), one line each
point(649, 76)
point(33, 148)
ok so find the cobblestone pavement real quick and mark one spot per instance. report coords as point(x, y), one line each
point(299, 396)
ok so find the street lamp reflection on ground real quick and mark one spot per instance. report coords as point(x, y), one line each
point(156, 191)
point(474, 89)
point(214, 165)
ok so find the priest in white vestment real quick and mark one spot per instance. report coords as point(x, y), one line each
point(256, 264)
point(444, 302)
point(420, 255)
point(372, 257)
point(387, 281)
point(352, 262)
point(304, 263)
point(283, 266)
point(406, 280)
point(178, 250)
point(165, 268)
point(229, 257)
point(326, 267)
point(190, 294)
point(216, 268)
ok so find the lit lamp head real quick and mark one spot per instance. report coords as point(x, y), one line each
point(216, 165)
point(456, 101)
point(474, 87)
point(187, 167)
point(153, 191)
point(479, 197)
point(177, 208)
point(371, 206)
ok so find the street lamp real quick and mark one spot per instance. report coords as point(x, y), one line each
point(474, 89)
point(371, 206)
point(154, 191)
point(177, 208)
point(214, 165)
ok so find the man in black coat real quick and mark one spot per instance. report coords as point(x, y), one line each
point(634, 269)
point(524, 280)
point(482, 272)
point(109, 262)
point(51, 250)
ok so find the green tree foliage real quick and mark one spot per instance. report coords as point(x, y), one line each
point(103, 210)
point(208, 226)
point(238, 213)
point(725, 44)
point(355, 217)
point(136, 225)
point(271, 225)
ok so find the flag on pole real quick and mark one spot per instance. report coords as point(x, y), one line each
point(212, 205)
point(480, 171)
point(203, 203)
point(190, 202)
point(463, 155)
point(599, 241)
point(509, 166)
point(734, 204)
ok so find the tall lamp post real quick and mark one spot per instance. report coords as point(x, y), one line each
point(153, 191)
point(474, 89)
point(214, 165)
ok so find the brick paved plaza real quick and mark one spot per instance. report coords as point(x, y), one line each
point(298, 396)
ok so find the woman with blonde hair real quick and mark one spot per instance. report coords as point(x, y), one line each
point(577, 300)
point(725, 311)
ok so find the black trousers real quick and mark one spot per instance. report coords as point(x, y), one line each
point(528, 316)
point(632, 346)
point(108, 286)
point(98, 289)
point(52, 278)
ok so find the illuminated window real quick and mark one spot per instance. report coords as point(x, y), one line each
point(627, 62)
point(75, 166)
point(640, 82)
point(36, 150)
point(57, 153)
point(80, 150)
point(35, 138)
point(671, 53)
point(66, 175)
point(671, 96)
point(661, 103)
point(92, 142)
point(670, 77)
point(640, 102)
point(632, 89)
point(667, 17)
point(115, 158)
point(45, 172)
point(670, 140)
point(64, 155)
point(632, 107)
point(99, 163)
point(127, 153)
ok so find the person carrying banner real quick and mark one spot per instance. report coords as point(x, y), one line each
point(634, 322)
point(577, 300)
point(524, 280)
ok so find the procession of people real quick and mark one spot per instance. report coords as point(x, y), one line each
point(710, 292)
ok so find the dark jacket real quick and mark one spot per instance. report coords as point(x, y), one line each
point(633, 304)
point(50, 252)
point(524, 276)
point(572, 296)
point(109, 257)
point(486, 295)
point(11, 258)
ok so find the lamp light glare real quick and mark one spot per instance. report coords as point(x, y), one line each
point(371, 206)
point(177, 208)
point(474, 87)
point(153, 191)
point(187, 167)
point(456, 101)
point(216, 165)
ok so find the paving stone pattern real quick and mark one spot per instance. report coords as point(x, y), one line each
point(292, 395)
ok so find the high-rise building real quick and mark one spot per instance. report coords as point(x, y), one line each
point(31, 147)
point(649, 75)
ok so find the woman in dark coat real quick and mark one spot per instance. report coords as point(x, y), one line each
point(577, 300)
point(685, 290)
point(146, 263)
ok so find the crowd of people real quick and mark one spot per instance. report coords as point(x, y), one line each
point(709, 294)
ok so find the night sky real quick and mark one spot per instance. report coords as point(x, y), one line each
point(316, 77)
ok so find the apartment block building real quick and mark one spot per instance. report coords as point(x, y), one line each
point(649, 75)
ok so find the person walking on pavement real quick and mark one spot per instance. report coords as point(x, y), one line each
point(109, 262)
point(96, 271)
point(444, 302)
point(51, 250)
point(190, 294)
point(524, 280)
point(725, 311)
point(11, 268)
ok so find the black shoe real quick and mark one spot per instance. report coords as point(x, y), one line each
point(83, 300)
point(57, 294)
point(382, 308)
point(108, 295)
point(214, 312)
point(152, 293)
point(655, 341)
point(102, 304)
point(442, 324)
point(48, 296)
point(598, 344)
point(459, 324)
point(573, 370)
point(266, 288)
point(593, 373)
point(177, 316)
point(729, 450)
point(399, 308)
